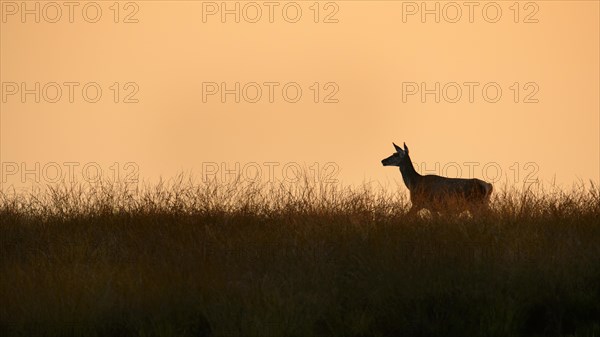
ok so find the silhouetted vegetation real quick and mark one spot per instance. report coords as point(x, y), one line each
point(309, 259)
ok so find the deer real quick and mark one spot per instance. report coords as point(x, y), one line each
point(439, 194)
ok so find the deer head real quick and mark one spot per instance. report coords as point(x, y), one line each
point(397, 159)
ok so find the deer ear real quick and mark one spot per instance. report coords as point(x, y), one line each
point(405, 148)
point(398, 148)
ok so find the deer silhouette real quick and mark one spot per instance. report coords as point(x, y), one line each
point(439, 194)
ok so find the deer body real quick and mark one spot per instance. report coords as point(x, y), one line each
point(436, 193)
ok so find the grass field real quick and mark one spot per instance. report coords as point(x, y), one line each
point(184, 259)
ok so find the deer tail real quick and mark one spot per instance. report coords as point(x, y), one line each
point(488, 189)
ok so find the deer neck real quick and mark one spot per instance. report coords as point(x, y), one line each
point(409, 174)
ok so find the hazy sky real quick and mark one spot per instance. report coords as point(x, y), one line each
point(361, 68)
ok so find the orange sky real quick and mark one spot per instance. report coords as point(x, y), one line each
point(366, 59)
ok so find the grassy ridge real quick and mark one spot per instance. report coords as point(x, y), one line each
point(186, 259)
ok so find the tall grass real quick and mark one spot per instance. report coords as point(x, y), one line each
point(181, 258)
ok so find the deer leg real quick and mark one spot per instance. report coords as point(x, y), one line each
point(480, 210)
point(485, 209)
point(412, 212)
